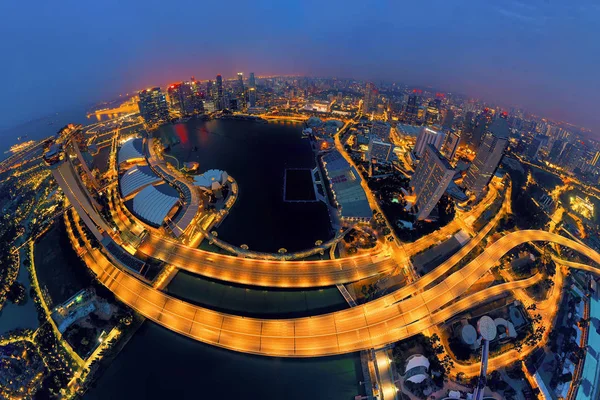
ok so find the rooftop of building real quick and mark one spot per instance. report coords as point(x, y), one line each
point(210, 177)
point(590, 375)
point(131, 149)
point(408, 130)
point(346, 186)
point(153, 203)
point(136, 177)
point(439, 155)
point(499, 127)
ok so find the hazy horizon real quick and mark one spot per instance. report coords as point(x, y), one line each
point(539, 55)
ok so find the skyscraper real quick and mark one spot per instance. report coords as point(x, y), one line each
point(252, 90)
point(556, 150)
point(537, 143)
point(220, 99)
point(153, 106)
point(481, 124)
point(209, 90)
point(433, 112)
point(185, 98)
point(240, 91)
point(198, 95)
point(448, 120)
point(370, 98)
point(467, 126)
point(487, 159)
point(430, 180)
point(450, 145)
point(412, 109)
point(571, 157)
point(174, 96)
point(428, 136)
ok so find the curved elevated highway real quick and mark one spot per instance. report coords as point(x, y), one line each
point(266, 273)
point(374, 324)
point(269, 273)
point(274, 273)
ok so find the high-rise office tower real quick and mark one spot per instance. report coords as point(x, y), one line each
point(433, 112)
point(240, 82)
point(481, 124)
point(240, 91)
point(468, 125)
point(220, 99)
point(252, 96)
point(209, 90)
point(450, 145)
point(411, 113)
point(209, 105)
point(185, 98)
point(252, 90)
point(428, 136)
point(174, 96)
point(197, 87)
point(536, 145)
point(532, 126)
point(488, 157)
point(556, 150)
point(153, 106)
point(571, 157)
point(370, 98)
point(192, 98)
point(430, 180)
point(448, 120)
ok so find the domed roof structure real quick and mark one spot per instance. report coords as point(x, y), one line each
point(417, 367)
point(486, 328)
point(468, 334)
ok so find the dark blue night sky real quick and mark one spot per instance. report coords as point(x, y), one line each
point(543, 55)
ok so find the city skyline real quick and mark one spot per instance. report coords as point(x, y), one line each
point(529, 55)
point(345, 200)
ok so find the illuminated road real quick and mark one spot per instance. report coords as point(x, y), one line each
point(228, 268)
point(266, 272)
point(270, 273)
point(454, 226)
point(388, 319)
point(386, 379)
point(375, 324)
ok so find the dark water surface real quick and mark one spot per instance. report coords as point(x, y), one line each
point(41, 128)
point(254, 301)
point(160, 364)
point(256, 155)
